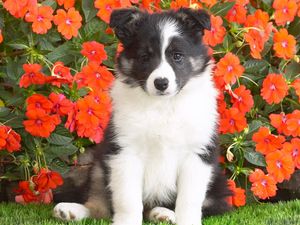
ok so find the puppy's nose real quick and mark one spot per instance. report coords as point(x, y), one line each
point(161, 84)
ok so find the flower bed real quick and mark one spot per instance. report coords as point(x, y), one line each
point(56, 67)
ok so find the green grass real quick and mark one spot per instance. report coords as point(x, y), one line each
point(284, 213)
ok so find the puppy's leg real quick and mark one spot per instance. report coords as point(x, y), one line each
point(126, 187)
point(193, 180)
point(70, 211)
point(160, 214)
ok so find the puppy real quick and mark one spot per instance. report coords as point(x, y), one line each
point(160, 153)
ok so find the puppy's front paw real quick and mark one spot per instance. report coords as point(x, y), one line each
point(70, 211)
point(159, 214)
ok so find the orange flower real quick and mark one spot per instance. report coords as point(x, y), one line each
point(176, 4)
point(284, 44)
point(46, 180)
point(242, 99)
point(285, 11)
point(263, 186)
point(41, 18)
point(229, 68)
point(39, 102)
point(221, 103)
point(293, 121)
point(217, 32)
point(40, 124)
point(9, 139)
point(68, 22)
point(61, 105)
point(232, 121)
point(279, 122)
point(94, 51)
point(209, 3)
point(274, 88)
point(267, 142)
point(60, 75)
point(296, 151)
point(92, 116)
point(1, 36)
point(97, 77)
point(19, 8)
point(67, 3)
point(32, 75)
point(280, 165)
point(257, 38)
point(238, 198)
point(298, 10)
point(296, 86)
point(237, 14)
point(106, 7)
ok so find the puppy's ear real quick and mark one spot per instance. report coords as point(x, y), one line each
point(125, 23)
point(194, 20)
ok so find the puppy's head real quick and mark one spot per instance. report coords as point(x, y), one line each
point(162, 51)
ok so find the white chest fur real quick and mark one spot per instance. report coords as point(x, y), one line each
point(162, 131)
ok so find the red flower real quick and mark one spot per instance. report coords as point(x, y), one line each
point(238, 198)
point(229, 68)
point(232, 121)
point(9, 139)
point(38, 102)
point(67, 3)
point(46, 180)
point(280, 165)
point(97, 77)
point(80, 79)
point(285, 11)
point(263, 186)
point(68, 22)
point(41, 18)
point(217, 32)
point(32, 75)
point(279, 122)
point(60, 75)
point(267, 142)
point(61, 105)
point(26, 191)
point(94, 51)
point(284, 44)
point(106, 7)
point(40, 124)
point(293, 121)
point(242, 99)
point(274, 88)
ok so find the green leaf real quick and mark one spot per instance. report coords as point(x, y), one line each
point(54, 151)
point(18, 46)
point(221, 9)
point(59, 166)
point(58, 139)
point(292, 70)
point(255, 66)
point(61, 53)
point(89, 10)
point(50, 3)
point(254, 157)
point(254, 126)
point(4, 111)
point(294, 27)
point(93, 26)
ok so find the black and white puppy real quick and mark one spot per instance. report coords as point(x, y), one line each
point(160, 156)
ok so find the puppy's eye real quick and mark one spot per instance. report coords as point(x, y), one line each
point(177, 57)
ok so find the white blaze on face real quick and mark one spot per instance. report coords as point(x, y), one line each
point(168, 30)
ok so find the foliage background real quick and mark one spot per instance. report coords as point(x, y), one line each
point(60, 150)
